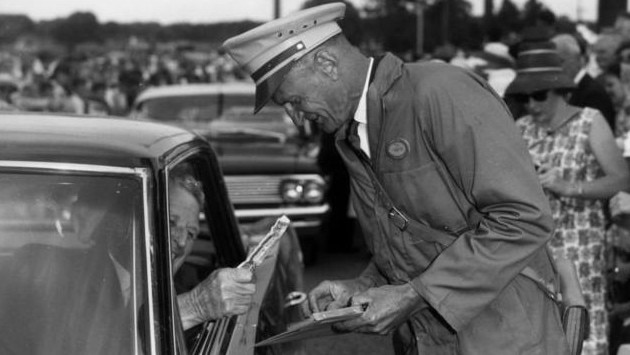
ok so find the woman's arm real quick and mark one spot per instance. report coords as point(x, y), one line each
point(609, 157)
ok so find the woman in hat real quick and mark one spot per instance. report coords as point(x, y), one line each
point(579, 165)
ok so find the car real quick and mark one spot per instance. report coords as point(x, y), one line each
point(59, 284)
point(270, 166)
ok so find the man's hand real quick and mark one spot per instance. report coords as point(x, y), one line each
point(387, 307)
point(225, 292)
point(333, 294)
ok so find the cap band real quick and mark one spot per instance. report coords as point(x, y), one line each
point(275, 61)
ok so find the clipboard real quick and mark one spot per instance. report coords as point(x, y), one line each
point(319, 324)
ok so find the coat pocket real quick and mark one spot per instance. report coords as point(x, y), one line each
point(423, 195)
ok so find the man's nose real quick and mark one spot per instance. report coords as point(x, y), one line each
point(293, 113)
point(178, 238)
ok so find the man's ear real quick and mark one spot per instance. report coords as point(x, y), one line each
point(326, 62)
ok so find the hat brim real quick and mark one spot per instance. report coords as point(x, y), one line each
point(266, 88)
point(527, 83)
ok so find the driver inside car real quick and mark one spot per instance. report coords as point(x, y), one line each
point(224, 292)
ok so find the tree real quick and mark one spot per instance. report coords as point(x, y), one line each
point(13, 26)
point(80, 27)
point(509, 16)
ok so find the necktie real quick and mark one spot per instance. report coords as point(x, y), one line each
point(354, 142)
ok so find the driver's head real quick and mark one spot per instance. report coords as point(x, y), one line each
point(93, 212)
point(185, 199)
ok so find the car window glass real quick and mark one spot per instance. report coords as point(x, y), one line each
point(185, 109)
point(71, 264)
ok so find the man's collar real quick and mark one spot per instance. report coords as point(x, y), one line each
point(360, 115)
point(579, 76)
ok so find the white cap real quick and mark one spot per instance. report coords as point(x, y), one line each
point(268, 51)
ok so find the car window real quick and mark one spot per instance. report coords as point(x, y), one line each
point(193, 108)
point(71, 264)
point(199, 246)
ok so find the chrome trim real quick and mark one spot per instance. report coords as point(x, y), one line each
point(67, 166)
point(306, 224)
point(148, 238)
point(276, 177)
point(289, 211)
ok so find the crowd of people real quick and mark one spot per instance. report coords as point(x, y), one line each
point(104, 84)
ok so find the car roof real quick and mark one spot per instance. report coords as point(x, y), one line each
point(89, 140)
point(236, 87)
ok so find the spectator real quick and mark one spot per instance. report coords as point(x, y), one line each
point(579, 166)
point(605, 50)
point(64, 97)
point(618, 94)
point(588, 92)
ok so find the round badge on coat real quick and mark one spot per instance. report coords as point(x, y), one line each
point(398, 148)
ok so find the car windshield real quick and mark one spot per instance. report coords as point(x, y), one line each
point(70, 264)
point(193, 108)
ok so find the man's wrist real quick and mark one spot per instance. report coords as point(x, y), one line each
point(188, 310)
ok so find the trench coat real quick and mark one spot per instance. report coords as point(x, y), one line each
point(449, 202)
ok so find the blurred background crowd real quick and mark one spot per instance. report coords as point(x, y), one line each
point(78, 64)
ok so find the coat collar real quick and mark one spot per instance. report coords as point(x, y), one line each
point(388, 71)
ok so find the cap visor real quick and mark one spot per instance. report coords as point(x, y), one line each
point(268, 87)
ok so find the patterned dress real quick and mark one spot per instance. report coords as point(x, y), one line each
point(580, 224)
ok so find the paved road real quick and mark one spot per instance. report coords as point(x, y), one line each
point(343, 266)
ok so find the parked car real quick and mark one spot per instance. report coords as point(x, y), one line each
point(270, 166)
point(57, 282)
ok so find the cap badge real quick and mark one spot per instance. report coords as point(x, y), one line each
point(398, 148)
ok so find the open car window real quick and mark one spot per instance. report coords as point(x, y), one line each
point(71, 264)
point(216, 243)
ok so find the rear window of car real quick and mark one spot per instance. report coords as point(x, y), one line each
point(194, 108)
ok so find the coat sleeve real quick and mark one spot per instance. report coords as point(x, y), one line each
point(472, 132)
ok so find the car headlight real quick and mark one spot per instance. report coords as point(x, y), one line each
point(313, 192)
point(291, 191)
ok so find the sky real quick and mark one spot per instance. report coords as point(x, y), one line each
point(210, 11)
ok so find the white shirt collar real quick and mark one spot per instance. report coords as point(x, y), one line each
point(579, 75)
point(360, 115)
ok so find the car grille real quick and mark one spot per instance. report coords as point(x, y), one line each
point(261, 189)
point(254, 189)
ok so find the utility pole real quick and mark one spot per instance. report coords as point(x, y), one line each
point(420, 5)
point(276, 9)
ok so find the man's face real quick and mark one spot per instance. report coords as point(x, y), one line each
point(605, 53)
point(184, 224)
point(86, 217)
point(309, 94)
point(614, 88)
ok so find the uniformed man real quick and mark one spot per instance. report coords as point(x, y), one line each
point(443, 187)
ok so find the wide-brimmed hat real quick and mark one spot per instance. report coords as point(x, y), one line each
point(268, 52)
point(539, 67)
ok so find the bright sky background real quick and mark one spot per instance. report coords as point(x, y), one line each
point(208, 11)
